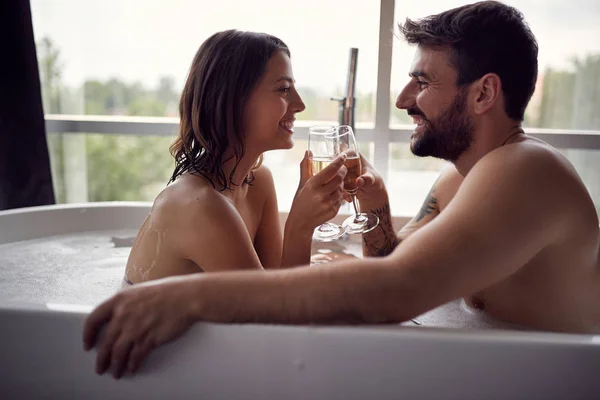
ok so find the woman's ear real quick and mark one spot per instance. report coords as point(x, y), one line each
point(488, 92)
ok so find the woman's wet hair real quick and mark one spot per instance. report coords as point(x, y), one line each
point(225, 71)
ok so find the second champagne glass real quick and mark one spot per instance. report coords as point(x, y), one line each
point(323, 153)
point(345, 142)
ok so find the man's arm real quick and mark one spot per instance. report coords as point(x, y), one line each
point(491, 229)
point(373, 197)
point(383, 239)
point(501, 217)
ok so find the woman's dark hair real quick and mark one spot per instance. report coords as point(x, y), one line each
point(484, 37)
point(225, 70)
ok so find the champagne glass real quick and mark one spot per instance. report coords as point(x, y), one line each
point(345, 142)
point(323, 153)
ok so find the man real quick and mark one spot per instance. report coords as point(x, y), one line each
point(510, 227)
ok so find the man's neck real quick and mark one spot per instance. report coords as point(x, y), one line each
point(489, 136)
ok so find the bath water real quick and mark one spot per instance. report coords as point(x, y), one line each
point(82, 268)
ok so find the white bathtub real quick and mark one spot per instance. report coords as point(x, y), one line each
point(41, 352)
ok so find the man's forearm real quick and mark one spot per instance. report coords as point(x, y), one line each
point(382, 240)
point(356, 291)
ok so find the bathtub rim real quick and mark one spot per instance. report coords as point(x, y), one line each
point(132, 214)
point(437, 334)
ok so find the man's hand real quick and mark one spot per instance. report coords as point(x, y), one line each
point(371, 191)
point(373, 197)
point(135, 321)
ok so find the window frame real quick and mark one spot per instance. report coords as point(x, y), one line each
point(380, 133)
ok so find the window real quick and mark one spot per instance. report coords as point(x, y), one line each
point(119, 60)
point(567, 95)
point(568, 87)
point(96, 167)
point(98, 60)
point(586, 162)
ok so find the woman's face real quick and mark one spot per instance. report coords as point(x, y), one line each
point(272, 106)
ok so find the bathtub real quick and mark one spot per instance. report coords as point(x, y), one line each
point(42, 309)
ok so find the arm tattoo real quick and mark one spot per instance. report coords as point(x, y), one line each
point(429, 206)
point(383, 240)
point(408, 228)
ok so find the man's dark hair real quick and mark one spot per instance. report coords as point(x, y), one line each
point(484, 37)
point(225, 71)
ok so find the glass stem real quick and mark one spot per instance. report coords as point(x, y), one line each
point(356, 209)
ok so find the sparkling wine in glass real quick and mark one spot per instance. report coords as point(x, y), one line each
point(345, 142)
point(323, 153)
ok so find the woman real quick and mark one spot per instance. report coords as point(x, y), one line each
point(220, 210)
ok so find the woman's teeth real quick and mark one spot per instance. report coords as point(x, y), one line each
point(289, 125)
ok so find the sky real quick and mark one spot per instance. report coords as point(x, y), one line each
point(142, 40)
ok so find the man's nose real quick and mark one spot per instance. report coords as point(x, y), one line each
point(406, 99)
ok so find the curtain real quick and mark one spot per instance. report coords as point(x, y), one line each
point(25, 175)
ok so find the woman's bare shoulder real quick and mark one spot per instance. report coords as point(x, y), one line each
point(263, 185)
point(204, 226)
point(263, 176)
point(188, 198)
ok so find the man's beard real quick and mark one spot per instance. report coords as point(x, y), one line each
point(448, 136)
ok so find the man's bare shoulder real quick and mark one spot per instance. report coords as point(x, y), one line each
point(526, 159)
point(531, 170)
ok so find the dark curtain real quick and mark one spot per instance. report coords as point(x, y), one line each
point(25, 177)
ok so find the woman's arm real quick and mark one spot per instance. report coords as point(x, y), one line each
point(317, 200)
point(268, 240)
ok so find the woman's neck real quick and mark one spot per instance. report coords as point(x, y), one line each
point(242, 170)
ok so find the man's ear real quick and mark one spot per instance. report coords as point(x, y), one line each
point(488, 91)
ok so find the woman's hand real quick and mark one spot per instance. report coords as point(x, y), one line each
point(135, 321)
point(318, 198)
